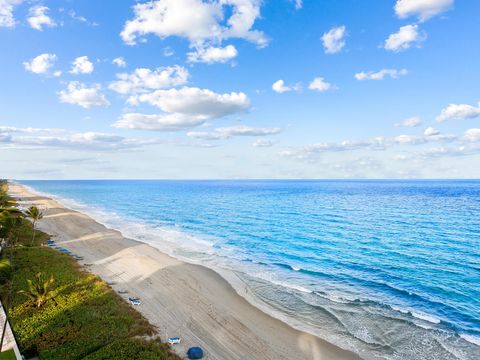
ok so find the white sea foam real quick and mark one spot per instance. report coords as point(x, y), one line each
point(471, 339)
point(425, 317)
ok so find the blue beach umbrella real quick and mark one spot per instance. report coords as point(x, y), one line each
point(195, 353)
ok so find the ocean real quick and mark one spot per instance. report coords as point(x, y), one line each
point(388, 269)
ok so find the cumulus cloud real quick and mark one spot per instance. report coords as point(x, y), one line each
point(231, 131)
point(334, 40)
point(183, 108)
point(120, 62)
point(472, 135)
point(380, 75)
point(82, 95)
point(213, 54)
point(143, 79)
point(280, 87)
point(40, 64)
point(82, 65)
point(199, 21)
point(404, 38)
point(6, 12)
point(458, 112)
point(411, 122)
point(319, 84)
point(423, 9)
point(197, 102)
point(38, 18)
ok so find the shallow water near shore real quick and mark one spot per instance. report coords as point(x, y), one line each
point(389, 269)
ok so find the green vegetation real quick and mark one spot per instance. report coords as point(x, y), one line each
point(59, 311)
point(133, 349)
point(8, 355)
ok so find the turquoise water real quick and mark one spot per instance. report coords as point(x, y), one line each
point(389, 269)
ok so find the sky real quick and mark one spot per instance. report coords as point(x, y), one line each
point(233, 89)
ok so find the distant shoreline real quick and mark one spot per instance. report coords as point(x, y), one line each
point(181, 299)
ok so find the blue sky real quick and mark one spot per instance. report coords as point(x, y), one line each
point(239, 89)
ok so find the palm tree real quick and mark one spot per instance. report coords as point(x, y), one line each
point(34, 214)
point(40, 289)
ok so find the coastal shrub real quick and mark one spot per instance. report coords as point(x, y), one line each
point(133, 349)
point(85, 316)
point(5, 271)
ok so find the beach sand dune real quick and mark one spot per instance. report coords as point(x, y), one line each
point(181, 299)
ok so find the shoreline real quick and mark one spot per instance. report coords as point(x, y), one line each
point(179, 298)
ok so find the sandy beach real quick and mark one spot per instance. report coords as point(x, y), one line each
point(181, 299)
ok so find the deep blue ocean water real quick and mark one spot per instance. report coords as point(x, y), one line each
point(390, 269)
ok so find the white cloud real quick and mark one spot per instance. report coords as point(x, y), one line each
point(120, 62)
point(411, 122)
point(213, 54)
point(40, 64)
point(298, 4)
point(472, 135)
point(196, 20)
point(157, 122)
point(82, 95)
point(38, 18)
point(263, 143)
point(458, 112)
point(423, 9)
point(81, 18)
point(280, 87)
point(319, 84)
point(6, 12)
point(14, 129)
point(60, 138)
point(185, 107)
point(143, 79)
point(430, 131)
point(380, 75)
point(334, 40)
point(197, 102)
point(380, 143)
point(82, 65)
point(231, 131)
point(308, 152)
point(430, 135)
point(168, 51)
point(406, 36)
point(244, 130)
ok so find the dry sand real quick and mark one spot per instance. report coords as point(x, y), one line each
point(181, 299)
